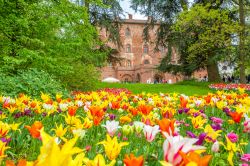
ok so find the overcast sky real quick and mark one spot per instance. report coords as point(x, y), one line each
point(125, 4)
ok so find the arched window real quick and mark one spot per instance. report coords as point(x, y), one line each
point(128, 48)
point(145, 49)
point(127, 32)
point(146, 62)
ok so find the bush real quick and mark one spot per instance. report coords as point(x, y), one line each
point(31, 82)
point(82, 77)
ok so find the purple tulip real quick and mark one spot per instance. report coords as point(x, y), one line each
point(186, 110)
point(190, 134)
point(44, 114)
point(7, 140)
point(112, 116)
point(59, 110)
point(27, 112)
point(201, 111)
point(216, 126)
point(226, 110)
point(196, 114)
point(201, 138)
point(180, 111)
point(18, 115)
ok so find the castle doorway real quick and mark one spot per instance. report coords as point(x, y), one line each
point(158, 78)
point(127, 78)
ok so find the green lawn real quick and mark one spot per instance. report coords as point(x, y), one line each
point(186, 87)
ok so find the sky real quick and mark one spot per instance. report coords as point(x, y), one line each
point(125, 4)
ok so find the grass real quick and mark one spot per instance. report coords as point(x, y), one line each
point(185, 87)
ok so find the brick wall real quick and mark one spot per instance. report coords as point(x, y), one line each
point(139, 56)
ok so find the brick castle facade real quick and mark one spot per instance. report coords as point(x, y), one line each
point(139, 58)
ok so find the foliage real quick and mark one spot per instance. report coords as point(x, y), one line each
point(82, 78)
point(209, 32)
point(48, 35)
point(31, 82)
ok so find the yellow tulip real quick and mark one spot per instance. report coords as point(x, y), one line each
point(15, 126)
point(164, 163)
point(45, 97)
point(198, 122)
point(87, 123)
point(60, 131)
point(112, 147)
point(3, 147)
point(231, 148)
point(98, 161)
point(211, 133)
point(11, 109)
point(52, 154)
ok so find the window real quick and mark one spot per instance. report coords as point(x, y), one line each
point(162, 49)
point(127, 32)
point(128, 48)
point(110, 64)
point(129, 63)
point(145, 49)
point(146, 62)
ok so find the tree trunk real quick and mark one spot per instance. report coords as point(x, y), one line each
point(242, 43)
point(213, 72)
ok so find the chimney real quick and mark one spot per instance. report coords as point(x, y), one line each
point(130, 16)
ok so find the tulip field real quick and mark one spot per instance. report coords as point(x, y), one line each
point(117, 127)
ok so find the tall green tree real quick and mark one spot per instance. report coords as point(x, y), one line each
point(56, 36)
point(209, 33)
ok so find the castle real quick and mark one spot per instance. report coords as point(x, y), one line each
point(139, 58)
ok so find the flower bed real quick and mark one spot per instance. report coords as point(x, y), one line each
point(223, 86)
point(106, 128)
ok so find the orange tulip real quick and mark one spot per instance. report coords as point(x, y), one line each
point(35, 129)
point(145, 109)
point(167, 125)
point(131, 160)
point(115, 105)
point(97, 114)
point(72, 110)
point(194, 157)
point(183, 102)
point(22, 162)
point(208, 99)
point(33, 104)
point(133, 111)
point(236, 116)
point(9, 163)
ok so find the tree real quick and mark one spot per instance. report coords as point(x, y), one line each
point(209, 33)
point(56, 36)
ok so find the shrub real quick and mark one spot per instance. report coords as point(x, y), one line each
point(31, 82)
point(82, 77)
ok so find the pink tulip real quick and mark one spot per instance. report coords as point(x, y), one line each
point(112, 127)
point(216, 120)
point(247, 126)
point(150, 132)
point(216, 147)
point(174, 144)
point(232, 137)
